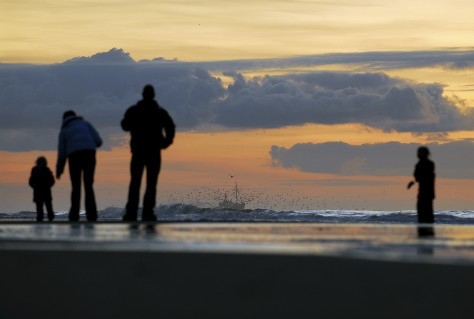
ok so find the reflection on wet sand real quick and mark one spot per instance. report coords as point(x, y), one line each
point(453, 243)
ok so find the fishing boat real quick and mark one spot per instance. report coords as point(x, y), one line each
point(231, 204)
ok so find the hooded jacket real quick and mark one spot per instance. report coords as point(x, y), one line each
point(76, 135)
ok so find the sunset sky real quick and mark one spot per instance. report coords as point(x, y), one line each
point(308, 104)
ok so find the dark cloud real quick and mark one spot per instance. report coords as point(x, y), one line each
point(453, 160)
point(372, 99)
point(101, 87)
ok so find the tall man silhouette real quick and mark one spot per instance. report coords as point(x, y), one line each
point(151, 129)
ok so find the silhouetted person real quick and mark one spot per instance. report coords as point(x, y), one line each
point(425, 177)
point(78, 141)
point(151, 129)
point(41, 180)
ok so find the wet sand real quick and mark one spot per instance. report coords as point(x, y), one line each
point(234, 270)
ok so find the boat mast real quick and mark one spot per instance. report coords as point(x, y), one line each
point(236, 189)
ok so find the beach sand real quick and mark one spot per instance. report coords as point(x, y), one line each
point(234, 270)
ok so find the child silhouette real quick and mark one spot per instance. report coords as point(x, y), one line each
point(41, 180)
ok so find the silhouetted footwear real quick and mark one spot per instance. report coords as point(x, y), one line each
point(129, 217)
point(50, 217)
point(91, 217)
point(73, 217)
point(148, 218)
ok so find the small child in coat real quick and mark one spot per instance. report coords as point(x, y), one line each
point(41, 180)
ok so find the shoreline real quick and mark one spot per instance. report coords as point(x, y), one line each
point(451, 243)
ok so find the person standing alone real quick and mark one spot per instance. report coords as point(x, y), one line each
point(425, 177)
point(151, 129)
point(78, 141)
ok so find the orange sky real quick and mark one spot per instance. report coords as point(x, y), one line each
point(198, 165)
point(54, 31)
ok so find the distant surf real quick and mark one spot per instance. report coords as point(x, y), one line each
point(192, 213)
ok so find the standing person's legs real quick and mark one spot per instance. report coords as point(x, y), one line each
point(75, 170)
point(39, 211)
point(425, 211)
point(89, 171)
point(153, 166)
point(49, 209)
point(137, 165)
point(425, 216)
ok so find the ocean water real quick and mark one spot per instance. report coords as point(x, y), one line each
point(192, 213)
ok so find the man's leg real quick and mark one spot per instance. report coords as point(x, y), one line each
point(136, 171)
point(39, 211)
point(75, 164)
point(425, 216)
point(149, 201)
point(89, 170)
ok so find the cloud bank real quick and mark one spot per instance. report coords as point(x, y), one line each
point(102, 86)
point(373, 99)
point(453, 160)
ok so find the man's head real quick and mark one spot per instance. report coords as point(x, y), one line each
point(423, 152)
point(148, 92)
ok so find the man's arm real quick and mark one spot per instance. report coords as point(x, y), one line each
point(170, 129)
point(126, 122)
point(95, 135)
point(62, 156)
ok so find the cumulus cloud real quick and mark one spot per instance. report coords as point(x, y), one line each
point(113, 56)
point(372, 99)
point(102, 86)
point(453, 160)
